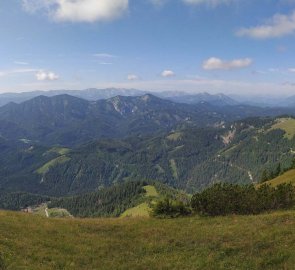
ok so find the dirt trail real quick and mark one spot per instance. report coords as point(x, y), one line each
point(46, 212)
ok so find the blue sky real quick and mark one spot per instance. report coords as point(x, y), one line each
point(230, 46)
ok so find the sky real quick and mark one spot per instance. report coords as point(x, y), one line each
point(241, 47)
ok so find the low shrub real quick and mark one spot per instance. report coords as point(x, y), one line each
point(170, 208)
point(224, 199)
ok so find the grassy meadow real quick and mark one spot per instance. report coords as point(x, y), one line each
point(143, 209)
point(288, 177)
point(235, 242)
point(285, 178)
point(286, 124)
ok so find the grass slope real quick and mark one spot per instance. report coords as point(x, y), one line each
point(44, 211)
point(59, 150)
point(143, 209)
point(287, 177)
point(286, 124)
point(59, 160)
point(234, 242)
point(151, 191)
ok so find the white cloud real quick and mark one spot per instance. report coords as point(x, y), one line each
point(213, 3)
point(21, 63)
point(105, 55)
point(105, 63)
point(79, 10)
point(16, 71)
point(132, 77)
point(46, 76)
point(291, 70)
point(214, 63)
point(167, 73)
point(278, 26)
point(22, 70)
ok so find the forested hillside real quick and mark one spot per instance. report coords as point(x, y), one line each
point(188, 159)
point(108, 202)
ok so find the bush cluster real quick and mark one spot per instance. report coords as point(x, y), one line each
point(225, 199)
point(170, 208)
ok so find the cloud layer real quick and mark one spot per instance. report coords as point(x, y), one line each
point(96, 10)
point(167, 73)
point(46, 76)
point(278, 26)
point(132, 77)
point(79, 10)
point(214, 63)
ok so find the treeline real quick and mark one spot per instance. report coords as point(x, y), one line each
point(108, 202)
point(19, 200)
point(227, 199)
point(279, 170)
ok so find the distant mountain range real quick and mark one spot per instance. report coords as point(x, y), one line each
point(94, 94)
point(68, 120)
point(91, 94)
point(216, 100)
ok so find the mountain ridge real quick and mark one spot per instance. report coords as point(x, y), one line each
point(53, 119)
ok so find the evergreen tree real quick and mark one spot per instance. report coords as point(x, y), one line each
point(264, 176)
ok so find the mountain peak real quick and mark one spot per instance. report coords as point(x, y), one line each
point(149, 97)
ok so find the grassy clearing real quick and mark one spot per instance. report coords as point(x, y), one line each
point(174, 168)
point(228, 150)
point(59, 160)
point(175, 136)
point(286, 124)
point(234, 242)
point(58, 213)
point(151, 191)
point(52, 212)
point(60, 150)
point(287, 177)
point(143, 209)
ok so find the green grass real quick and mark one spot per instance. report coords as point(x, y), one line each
point(52, 212)
point(143, 209)
point(59, 160)
point(58, 213)
point(261, 242)
point(60, 150)
point(286, 124)
point(151, 191)
point(175, 136)
point(174, 168)
point(287, 177)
